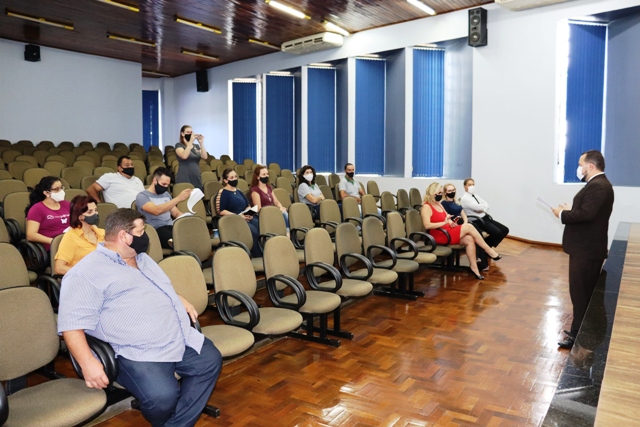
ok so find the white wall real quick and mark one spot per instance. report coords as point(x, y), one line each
point(514, 105)
point(68, 96)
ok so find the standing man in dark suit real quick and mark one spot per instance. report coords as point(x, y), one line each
point(585, 236)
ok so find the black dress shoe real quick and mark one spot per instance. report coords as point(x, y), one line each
point(569, 333)
point(567, 343)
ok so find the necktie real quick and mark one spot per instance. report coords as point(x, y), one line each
point(474, 198)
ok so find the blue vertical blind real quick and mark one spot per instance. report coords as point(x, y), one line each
point(150, 119)
point(370, 115)
point(321, 116)
point(245, 135)
point(585, 93)
point(428, 112)
point(279, 120)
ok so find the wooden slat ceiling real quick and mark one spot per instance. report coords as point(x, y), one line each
point(239, 20)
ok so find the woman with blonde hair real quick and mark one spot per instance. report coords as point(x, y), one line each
point(435, 219)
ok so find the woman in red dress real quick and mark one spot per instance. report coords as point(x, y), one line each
point(435, 219)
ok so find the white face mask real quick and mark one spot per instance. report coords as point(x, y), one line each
point(58, 197)
point(471, 189)
point(308, 177)
point(579, 173)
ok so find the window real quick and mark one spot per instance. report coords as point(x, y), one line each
point(321, 116)
point(245, 135)
point(150, 119)
point(280, 119)
point(370, 115)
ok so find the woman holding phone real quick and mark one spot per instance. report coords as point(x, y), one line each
point(189, 153)
point(450, 205)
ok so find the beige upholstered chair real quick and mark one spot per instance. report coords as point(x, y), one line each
point(405, 248)
point(155, 249)
point(4, 234)
point(234, 230)
point(17, 169)
point(74, 176)
point(403, 203)
point(321, 180)
point(32, 177)
point(300, 222)
point(415, 198)
point(373, 189)
point(104, 209)
point(330, 215)
point(191, 235)
point(86, 166)
point(425, 242)
point(73, 192)
point(272, 224)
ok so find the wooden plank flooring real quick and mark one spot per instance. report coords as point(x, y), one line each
point(471, 353)
point(619, 393)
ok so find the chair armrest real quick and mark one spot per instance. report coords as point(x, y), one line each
point(215, 220)
point(292, 283)
point(383, 249)
point(196, 325)
point(426, 239)
point(15, 234)
point(4, 406)
point(226, 312)
point(327, 224)
point(294, 236)
point(446, 234)
point(235, 244)
point(403, 211)
point(188, 253)
point(358, 221)
point(51, 287)
point(387, 212)
point(380, 217)
point(105, 355)
point(313, 280)
point(406, 241)
point(262, 239)
point(345, 268)
point(35, 255)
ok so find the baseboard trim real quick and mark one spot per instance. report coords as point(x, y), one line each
point(534, 242)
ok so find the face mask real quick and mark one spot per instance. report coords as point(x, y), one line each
point(471, 189)
point(58, 197)
point(451, 195)
point(438, 197)
point(580, 175)
point(92, 219)
point(128, 171)
point(140, 244)
point(264, 179)
point(187, 137)
point(233, 182)
point(160, 189)
point(308, 177)
point(350, 174)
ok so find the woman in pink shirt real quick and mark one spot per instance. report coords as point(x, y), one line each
point(48, 212)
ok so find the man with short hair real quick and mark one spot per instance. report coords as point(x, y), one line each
point(348, 186)
point(159, 207)
point(585, 236)
point(119, 188)
point(120, 295)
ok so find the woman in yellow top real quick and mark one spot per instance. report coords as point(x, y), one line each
point(82, 237)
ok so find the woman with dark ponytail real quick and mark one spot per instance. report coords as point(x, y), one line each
point(48, 212)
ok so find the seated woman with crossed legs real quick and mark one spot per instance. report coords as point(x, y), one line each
point(434, 216)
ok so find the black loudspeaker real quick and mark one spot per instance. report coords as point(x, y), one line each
point(32, 53)
point(202, 81)
point(477, 27)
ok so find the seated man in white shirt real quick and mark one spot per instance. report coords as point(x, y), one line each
point(119, 188)
point(476, 209)
point(159, 207)
point(348, 186)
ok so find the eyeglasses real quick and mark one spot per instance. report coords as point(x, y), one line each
point(57, 190)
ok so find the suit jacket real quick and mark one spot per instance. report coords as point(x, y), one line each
point(587, 223)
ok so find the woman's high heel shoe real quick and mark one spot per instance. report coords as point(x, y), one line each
point(478, 276)
point(498, 258)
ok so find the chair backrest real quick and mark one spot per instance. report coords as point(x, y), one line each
point(112, 164)
point(326, 192)
point(54, 167)
point(209, 176)
point(232, 270)
point(94, 155)
point(413, 222)
point(330, 212)
point(78, 150)
point(180, 187)
point(220, 169)
point(283, 197)
point(190, 233)
point(40, 156)
point(334, 179)
point(284, 183)
point(231, 163)
point(204, 166)
point(387, 203)
point(4, 233)
point(248, 175)
point(225, 158)
point(155, 247)
point(350, 208)
point(403, 199)
point(240, 170)
point(140, 169)
point(273, 174)
point(69, 156)
point(235, 228)
point(321, 179)
point(280, 257)
point(286, 173)
point(101, 170)
point(368, 204)
point(32, 177)
point(243, 186)
point(319, 248)
point(271, 221)
point(275, 167)
point(29, 159)
point(300, 217)
point(415, 197)
point(372, 188)
point(14, 270)
point(5, 174)
point(86, 158)
point(105, 209)
point(187, 280)
point(8, 186)
point(9, 156)
point(58, 158)
point(199, 209)
point(347, 241)
point(395, 228)
point(16, 169)
point(211, 188)
point(87, 181)
point(28, 334)
point(70, 193)
point(373, 234)
point(86, 166)
point(53, 250)
point(214, 163)
point(74, 176)
point(248, 163)
point(14, 206)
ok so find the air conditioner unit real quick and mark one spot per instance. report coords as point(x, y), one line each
point(526, 4)
point(312, 43)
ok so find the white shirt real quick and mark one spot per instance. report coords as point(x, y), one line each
point(474, 206)
point(120, 190)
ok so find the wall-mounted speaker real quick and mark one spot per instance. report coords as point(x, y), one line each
point(477, 27)
point(32, 53)
point(202, 81)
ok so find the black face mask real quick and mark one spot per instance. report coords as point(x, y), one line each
point(140, 244)
point(451, 195)
point(350, 174)
point(128, 171)
point(233, 182)
point(187, 137)
point(92, 219)
point(160, 189)
point(264, 179)
point(438, 197)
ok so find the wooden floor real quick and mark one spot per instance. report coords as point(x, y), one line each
point(471, 353)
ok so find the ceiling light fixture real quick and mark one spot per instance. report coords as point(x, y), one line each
point(423, 7)
point(155, 73)
point(244, 80)
point(280, 73)
point(122, 5)
point(130, 40)
point(368, 55)
point(199, 54)
point(320, 64)
point(40, 20)
point(198, 25)
point(287, 9)
point(333, 27)
point(263, 43)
